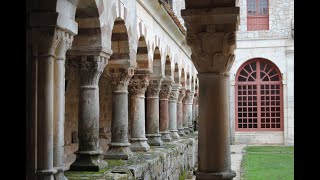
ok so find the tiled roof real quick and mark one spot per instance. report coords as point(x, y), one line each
point(175, 19)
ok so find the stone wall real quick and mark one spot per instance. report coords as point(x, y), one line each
point(160, 163)
point(280, 16)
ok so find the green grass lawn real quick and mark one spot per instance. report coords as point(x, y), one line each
point(268, 163)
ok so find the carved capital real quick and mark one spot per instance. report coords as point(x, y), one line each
point(166, 88)
point(212, 51)
point(154, 87)
point(91, 67)
point(188, 99)
point(46, 40)
point(120, 78)
point(139, 82)
point(174, 94)
point(182, 94)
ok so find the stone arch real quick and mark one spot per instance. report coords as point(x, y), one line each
point(89, 27)
point(168, 71)
point(142, 54)
point(188, 81)
point(120, 43)
point(176, 74)
point(119, 11)
point(156, 70)
point(183, 78)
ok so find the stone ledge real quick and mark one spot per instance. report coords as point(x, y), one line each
point(167, 162)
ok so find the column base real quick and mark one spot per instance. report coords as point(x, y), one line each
point(139, 144)
point(88, 161)
point(165, 136)
point(60, 174)
point(118, 151)
point(186, 130)
point(46, 174)
point(154, 139)
point(191, 129)
point(181, 131)
point(226, 175)
point(174, 134)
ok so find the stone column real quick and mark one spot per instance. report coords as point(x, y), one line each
point(164, 110)
point(45, 168)
point(212, 42)
point(182, 94)
point(194, 113)
point(137, 88)
point(89, 152)
point(152, 120)
point(119, 145)
point(173, 111)
point(59, 108)
point(187, 112)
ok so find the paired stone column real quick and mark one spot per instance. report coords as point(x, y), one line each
point(166, 87)
point(59, 106)
point(89, 152)
point(152, 121)
point(212, 42)
point(49, 117)
point(137, 88)
point(173, 111)
point(180, 114)
point(119, 145)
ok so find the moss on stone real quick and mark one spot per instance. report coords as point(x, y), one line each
point(183, 176)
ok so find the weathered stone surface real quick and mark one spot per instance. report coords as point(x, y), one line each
point(167, 162)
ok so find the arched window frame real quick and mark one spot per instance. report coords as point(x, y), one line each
point(266, 98)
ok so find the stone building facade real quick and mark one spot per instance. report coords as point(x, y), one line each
point(276, 45)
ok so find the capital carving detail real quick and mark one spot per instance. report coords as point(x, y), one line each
point(139, 82)
point(174, 94)
point(166, 88)
point(154, 88)
point(120, 77)
point(91, 67)
point(188, 99)
point(212, 51)
point(47, 39)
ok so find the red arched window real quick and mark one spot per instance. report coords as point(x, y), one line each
point(258, 93)
point(258, 15)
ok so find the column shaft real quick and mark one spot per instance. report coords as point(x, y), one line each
point(173, 111)
point(58, 117)
point(45, 169)
point(182, 94)
point(164, 111)
point(214, 142)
